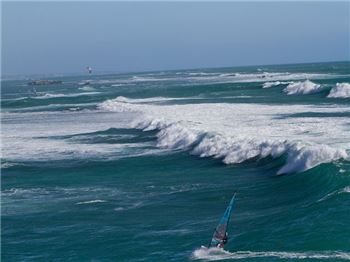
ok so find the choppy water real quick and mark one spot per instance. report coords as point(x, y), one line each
point(140, 167)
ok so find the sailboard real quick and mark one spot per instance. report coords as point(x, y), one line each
point(220, 236)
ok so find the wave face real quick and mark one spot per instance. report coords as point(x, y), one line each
point(150, 160)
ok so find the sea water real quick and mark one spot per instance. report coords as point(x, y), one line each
point(141, 166)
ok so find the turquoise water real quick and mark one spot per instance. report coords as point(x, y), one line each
point(141, 166)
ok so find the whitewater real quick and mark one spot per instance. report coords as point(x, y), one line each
point(239, 132)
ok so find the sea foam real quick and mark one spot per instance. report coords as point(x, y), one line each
point(303, 157)
point(341, 90)
point(239, 132)
point(213, 254)
point(276, 83)
point(302, 88)
point(300, 157)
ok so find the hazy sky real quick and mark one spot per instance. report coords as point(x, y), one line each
point(44, 37)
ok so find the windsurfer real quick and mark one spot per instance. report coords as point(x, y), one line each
point(220, 236)
point(223, 242)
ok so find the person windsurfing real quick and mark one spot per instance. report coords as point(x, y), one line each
point(223, 242)
point(89, 69)
point(220, 236)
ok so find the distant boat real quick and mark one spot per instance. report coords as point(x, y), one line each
point(44, 82)
point(220, 236)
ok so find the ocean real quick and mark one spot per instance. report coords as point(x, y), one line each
point(141, 166)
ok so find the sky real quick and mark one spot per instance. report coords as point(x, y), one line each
point(65, 37)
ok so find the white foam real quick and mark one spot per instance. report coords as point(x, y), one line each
point(213, 254)
point(175, 136)
point(144, 100)
point(346, 189)
point(14, 99)
point(194, 78)
point(259, 77)
point(302, 88)
point(31, 136)
point(115, 105)
point(87, 88)
point(238, 132)
point(130, 206)
point(303, 157)
point(149, 79)
point(91, 202)
point(341, 90)
point(52, 95)
point(6, 165)
point(276, 83)
point(120, 103)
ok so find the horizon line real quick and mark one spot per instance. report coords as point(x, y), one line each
point(101, 73)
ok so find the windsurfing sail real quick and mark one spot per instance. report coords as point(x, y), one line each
point(89, 69)
point(220, 235)
point(87, 82)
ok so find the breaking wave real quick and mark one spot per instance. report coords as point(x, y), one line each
point(302, 88)
point(205, 130)
point(300, 157)
point(341, 90)
point(276, 83)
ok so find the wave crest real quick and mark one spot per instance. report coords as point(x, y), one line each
point(300, 157)
point(229, 131)
point(302, 88)
point(276, 83)
point(341, 90)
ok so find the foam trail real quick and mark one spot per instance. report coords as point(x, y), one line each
point(87, 88)
point(213, 254)
point(91, 202)
point(341, 90)
point(50, 95)
point(302, 88)
point(337, 192)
